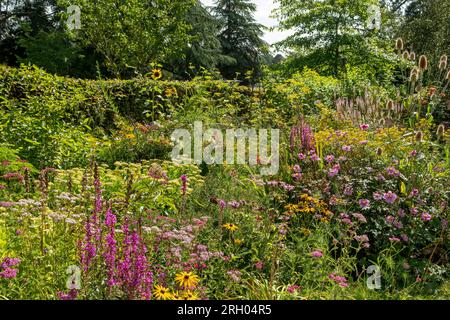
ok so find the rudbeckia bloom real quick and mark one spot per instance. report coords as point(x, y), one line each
point(161, 293)
point(187, 279)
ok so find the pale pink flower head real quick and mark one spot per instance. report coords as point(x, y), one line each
point(301, 156)
point(390, 197)
point(364, 126)
point(297, 169)
point(364, 203)
point(347, 148)
point(317, 254)
point(329, 158)
point(425, 216)
point(259, 265)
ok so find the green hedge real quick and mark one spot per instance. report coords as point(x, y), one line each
point(71, 100)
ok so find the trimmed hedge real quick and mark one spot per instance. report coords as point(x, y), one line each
point(69, 100)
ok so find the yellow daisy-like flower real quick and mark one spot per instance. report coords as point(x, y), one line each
point(230, 227)
point(130, 136)
point(187, 279)
point(162, 293)
point(237, 241)
point(170, 92)
point(156, 74)
point(189, 295)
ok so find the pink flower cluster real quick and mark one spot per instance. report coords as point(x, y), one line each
point(341, 281)
point(6, 271)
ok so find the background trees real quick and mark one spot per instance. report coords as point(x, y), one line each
point(240, 37)
point(125, 38)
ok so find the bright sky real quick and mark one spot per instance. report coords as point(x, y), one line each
point(264, 11)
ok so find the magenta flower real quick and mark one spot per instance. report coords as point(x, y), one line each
point(364, 126)
point(332, 172)
point(297, 176)
point(301, 156)
point(259, 265)
point(377, 196)
point(425, 216)
point(394, 239)
point(291, 289)
point(360, 217)
point(413, 153)
point(390, 197)
point(297, 169)
point(72, 295)
point(347, 148)
point(390, 219)
point(348, 191)
point(9, 273)
point(414, 193)
point(364, 203)
point(317, 254)
point(329, 158)
point(391, 171)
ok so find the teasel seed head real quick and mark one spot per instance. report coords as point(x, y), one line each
point(406, 55)
point(440, 131)
point(412, 56)
point(390, 105)
point(419, 136)
point(443, 58)
point(443, 65)
point(423, 62)
point(414, 75)
point(399, 44)
point(448, 75)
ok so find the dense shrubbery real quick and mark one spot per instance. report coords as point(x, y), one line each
point(363, 181)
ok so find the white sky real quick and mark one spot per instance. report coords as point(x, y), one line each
point(264, 11)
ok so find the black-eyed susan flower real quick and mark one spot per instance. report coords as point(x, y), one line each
point(156, 74)
point(162, 293)
point(230, 227)
point(187, 279)
point(189, 295)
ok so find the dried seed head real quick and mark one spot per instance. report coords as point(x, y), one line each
point(390, 105)
point(419, 136)
point(412, 56)
point(448, 75)
point(414, 75)
point(423, 62)
point(440, 131)
point(406, 55)
point(399, 44)
point(443, 65)
point(379, 151)
point(443, 58)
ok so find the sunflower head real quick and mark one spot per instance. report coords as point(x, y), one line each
point(156, 74)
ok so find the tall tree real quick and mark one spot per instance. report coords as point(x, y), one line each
point(204, 49)
point(328, 34)
point(426, 27)
point(134, 33)
point(240, 36)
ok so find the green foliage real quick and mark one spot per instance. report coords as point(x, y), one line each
point(132, 35)
point(240, 37)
